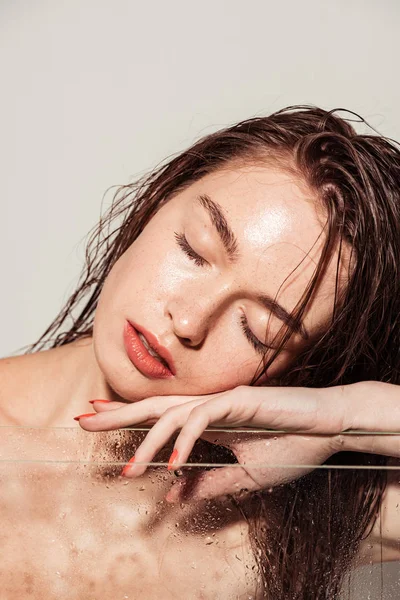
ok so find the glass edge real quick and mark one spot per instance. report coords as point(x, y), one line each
point(212, 465)
point(216, 429)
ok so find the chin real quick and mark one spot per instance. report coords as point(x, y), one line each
point(121, 376)
point(121, 393)
point(111, 365)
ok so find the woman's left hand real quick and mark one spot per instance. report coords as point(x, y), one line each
point(265, 459)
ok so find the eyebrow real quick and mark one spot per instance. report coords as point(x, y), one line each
point(221, 224)
point(231, 246)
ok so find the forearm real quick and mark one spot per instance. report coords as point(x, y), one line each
point(370, 407)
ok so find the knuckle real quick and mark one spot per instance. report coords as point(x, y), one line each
point(197, 410)
point(154, 407)
point(171, 414)
point(197, 416)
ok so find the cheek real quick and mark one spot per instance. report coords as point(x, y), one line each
point(226, 368)
point(148, 266)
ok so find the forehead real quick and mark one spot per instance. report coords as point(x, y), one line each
point(278, 228)
point(266, 204)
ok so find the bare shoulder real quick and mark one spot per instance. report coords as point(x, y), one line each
point(30, 371)
point(13, 368)
point(32, 384)
point(17, 376)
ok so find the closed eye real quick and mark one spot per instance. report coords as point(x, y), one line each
point(201, 262)
point(188, 250)
point(255, 342)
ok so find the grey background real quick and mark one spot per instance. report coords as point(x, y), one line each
point(95, 93)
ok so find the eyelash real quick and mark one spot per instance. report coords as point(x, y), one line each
point(200, 262)
point(184, 245)
point(257, 345)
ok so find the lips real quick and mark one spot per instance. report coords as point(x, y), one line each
point(146, 353)
point(151, 351)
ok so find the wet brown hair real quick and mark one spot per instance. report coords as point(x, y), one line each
point(302, 552)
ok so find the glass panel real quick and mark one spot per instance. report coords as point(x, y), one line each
point(74, 528)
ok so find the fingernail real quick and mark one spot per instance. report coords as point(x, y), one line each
point(172, 459)
point(92, 401)
point(86, 415)
point(126, 467)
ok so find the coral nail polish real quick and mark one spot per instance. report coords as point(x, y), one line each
point(126, 467)
point(86, 415)
point(172, 459)
point(92, 401)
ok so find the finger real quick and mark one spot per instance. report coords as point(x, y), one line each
point(192, 418)
point(198, 420)
point(158, 436)
point(133, 413)
point(104, 405)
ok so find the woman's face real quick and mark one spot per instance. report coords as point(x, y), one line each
point(195, 305)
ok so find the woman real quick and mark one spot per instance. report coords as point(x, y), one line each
point(265, 255)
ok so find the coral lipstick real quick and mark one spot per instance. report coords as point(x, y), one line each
point(141, 358)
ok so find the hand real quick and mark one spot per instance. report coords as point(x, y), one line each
point(327, 412)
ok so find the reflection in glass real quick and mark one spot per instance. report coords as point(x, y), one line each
point(74, 528)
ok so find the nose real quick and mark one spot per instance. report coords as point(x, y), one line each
point(189, 323)
point(192, 316)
